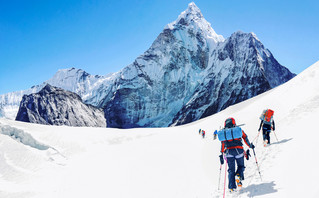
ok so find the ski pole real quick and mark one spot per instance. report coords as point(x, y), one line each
point(257, 165)
point(220, 170)
point(225, 178)
point(257, 137)
point(276, 136)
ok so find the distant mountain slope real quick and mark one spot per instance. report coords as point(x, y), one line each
point(188, 73)
point(54, 106)
point(241, 68)
point(74, 80)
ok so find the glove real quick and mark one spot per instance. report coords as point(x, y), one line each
point(247, 155)
point(252, 146)
point(221, 159)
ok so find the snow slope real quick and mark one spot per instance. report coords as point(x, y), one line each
point(59, 161)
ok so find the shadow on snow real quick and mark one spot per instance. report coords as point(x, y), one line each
point(260, 189)
point(282, 141)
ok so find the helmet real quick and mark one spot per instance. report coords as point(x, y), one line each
point(230, 123)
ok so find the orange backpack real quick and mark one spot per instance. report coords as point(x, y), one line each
point(267, 116)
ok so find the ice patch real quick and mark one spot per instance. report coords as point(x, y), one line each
point(22, 137)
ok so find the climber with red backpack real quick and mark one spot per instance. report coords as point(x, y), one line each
point(232, 149)
point(267, 123)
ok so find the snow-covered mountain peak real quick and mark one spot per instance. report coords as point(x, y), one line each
point(193, 19)
point(248, 40)
point(188, 17)
point(75, 80)
point(47, 89)
point(192, 12)
point(74, 73)
point(255, 36)
point(246, 46)
point(244, 35)
point(68, 73)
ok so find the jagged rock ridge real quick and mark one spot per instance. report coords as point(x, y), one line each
point(55, 106)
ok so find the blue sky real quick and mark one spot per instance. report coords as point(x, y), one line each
point(39, 37)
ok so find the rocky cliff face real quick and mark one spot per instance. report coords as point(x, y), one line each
point(189, 73)
point(55, 106)
point(241, 68)
point(155, 87)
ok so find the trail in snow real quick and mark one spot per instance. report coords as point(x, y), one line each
point(253, 185)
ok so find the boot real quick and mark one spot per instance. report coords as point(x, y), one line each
point(238, 181)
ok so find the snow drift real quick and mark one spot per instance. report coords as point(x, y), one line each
point(22, 137)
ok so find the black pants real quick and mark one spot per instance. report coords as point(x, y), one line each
point(266, 132)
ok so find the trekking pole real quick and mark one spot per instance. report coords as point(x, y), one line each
point(257, 164)
point(257, 137)
point(220, 171)
point(276, 136)
point(225, 178)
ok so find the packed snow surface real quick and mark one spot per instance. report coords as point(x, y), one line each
point(59, 161)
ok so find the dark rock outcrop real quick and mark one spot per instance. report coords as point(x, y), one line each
point(55, 106)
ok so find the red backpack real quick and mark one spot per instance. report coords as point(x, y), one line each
point(267, 116)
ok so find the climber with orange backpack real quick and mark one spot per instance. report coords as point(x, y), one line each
point(267, 123)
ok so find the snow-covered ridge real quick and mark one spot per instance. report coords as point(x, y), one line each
point(22, 137)
point(9, 103)
point(79, 81)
